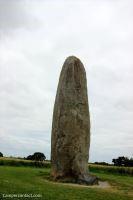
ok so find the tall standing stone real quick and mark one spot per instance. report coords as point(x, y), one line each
point(71, 126)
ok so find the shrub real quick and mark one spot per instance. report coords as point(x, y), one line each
point(1, 154)
point(38, 156)
point(123, 161)
point(26, 163)
point(111, 169)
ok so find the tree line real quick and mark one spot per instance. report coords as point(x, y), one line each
point(37, 156)
point(120, 161)
point(123, 161)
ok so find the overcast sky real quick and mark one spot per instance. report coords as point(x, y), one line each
point(35, 38)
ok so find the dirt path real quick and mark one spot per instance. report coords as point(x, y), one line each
point(101, 184)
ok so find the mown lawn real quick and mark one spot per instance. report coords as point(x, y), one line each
point(29, 180)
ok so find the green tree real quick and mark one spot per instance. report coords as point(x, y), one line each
point(37, 156)
point(1, 154)
point(123, 161)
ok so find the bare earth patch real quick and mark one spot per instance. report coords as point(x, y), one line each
point(101, 184)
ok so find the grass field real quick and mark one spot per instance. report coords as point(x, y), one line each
point(4, 161)
point(30, 180)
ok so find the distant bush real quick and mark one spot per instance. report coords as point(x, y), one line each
point(38, 156)
point(123, 161)
point(1, 154)
point(111, 169)
point(101, 163)
point(26, 163)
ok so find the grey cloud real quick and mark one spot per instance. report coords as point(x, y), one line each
point(15, 14)
point(17, 143)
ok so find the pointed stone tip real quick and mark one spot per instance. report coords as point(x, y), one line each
point(73, 61)
point(72, 58)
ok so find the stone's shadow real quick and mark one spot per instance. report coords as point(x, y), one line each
point(71, 182)
point(90, 180)
point(87, 180)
